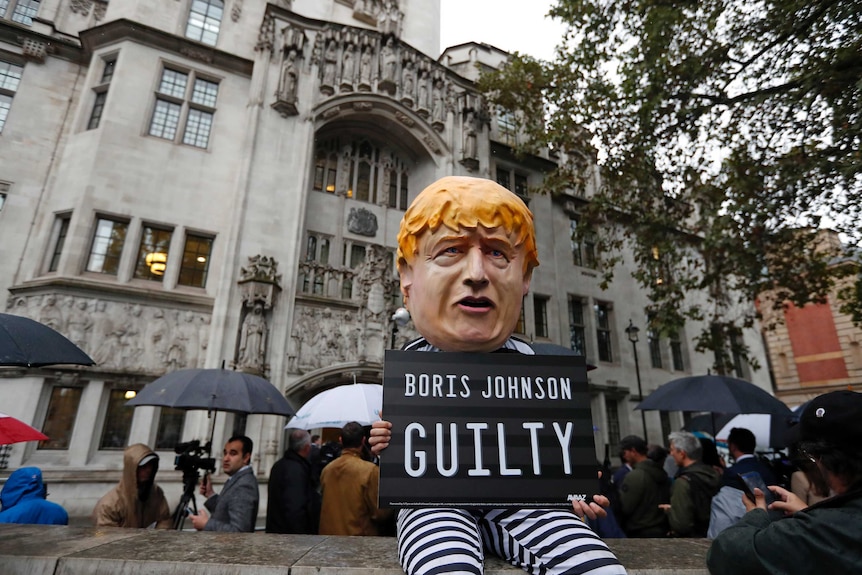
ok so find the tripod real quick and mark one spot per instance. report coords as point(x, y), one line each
point(187, 501)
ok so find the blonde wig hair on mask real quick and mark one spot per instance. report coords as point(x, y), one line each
point(462, 202)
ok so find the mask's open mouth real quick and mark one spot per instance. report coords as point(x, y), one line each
point(479, 303)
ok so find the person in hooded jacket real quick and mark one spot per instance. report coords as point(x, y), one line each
point(23, 500)
point(136, 501)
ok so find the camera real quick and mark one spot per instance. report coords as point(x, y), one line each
point(191, 457)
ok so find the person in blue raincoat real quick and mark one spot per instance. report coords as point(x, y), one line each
point(23, 500)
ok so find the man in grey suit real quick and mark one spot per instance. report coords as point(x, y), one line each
point(235, 508)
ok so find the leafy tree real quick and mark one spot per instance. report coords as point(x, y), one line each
point(726, 132)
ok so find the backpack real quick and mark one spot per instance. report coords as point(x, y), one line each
point(701, 498)
point(330, 451)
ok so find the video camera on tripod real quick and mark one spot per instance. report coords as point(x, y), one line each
point(190, 459)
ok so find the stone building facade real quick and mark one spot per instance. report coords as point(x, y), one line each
point(208, 183)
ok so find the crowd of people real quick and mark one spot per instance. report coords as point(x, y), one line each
point(466, 252)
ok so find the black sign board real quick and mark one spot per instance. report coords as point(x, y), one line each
point(486, 430)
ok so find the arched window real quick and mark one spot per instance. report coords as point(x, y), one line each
point(311, 248)
point(363, 183)
point(365, 164)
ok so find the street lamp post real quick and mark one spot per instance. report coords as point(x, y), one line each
point(632, 332)
point(399, 319)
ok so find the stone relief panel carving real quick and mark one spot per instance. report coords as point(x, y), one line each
point(81, 6)
point(322, 336)
point(123, 336)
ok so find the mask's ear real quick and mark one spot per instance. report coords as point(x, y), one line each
point(406, 273)
point(528, 277)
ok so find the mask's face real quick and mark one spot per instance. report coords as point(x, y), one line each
point(464, 289)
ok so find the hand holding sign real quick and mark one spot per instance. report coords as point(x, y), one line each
point(381, 433)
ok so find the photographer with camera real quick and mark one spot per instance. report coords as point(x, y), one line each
point(136, 501)
point(235, 508)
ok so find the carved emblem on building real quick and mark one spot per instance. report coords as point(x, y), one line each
point(363, 222)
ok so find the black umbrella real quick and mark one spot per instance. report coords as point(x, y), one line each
point(27, 343)
point(214, 390)
point(714, 394)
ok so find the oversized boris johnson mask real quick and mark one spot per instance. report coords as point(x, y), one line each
point(466, 253)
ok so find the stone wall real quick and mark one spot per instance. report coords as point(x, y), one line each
point(43, 549)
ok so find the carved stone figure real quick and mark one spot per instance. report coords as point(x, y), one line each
point(349, 332)
point(203, 339)
point(190, 335)
point(389, 61)
point(438, 110)
point(347, 66)
point(423, 90)
point(156, 336)
point(50, 314)
point(107, 337)
point(79, 324)
point(408, 81)
point(131, 342)
point(365, 67)
point(287, 86)
point(252, 343)
point(177, 350)
point(330, 59)
point(389, 18)
point(470, 150)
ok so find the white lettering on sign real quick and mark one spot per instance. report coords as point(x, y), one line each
point(418, 471)
point(514, 387)
point(534, 427)
point(435, 385)
point(565, 439)
point(416, 460)
point(501, 445)
point(478, 470)
point(453, 450)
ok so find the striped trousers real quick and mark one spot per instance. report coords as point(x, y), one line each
point(540, 541)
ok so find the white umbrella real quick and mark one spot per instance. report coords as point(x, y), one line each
point(768, 429)
point(359, 402)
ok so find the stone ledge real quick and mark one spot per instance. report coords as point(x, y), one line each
point(56, 550)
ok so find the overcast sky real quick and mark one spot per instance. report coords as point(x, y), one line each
point(511, 25)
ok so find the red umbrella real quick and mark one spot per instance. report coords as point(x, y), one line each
point(15, 431)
